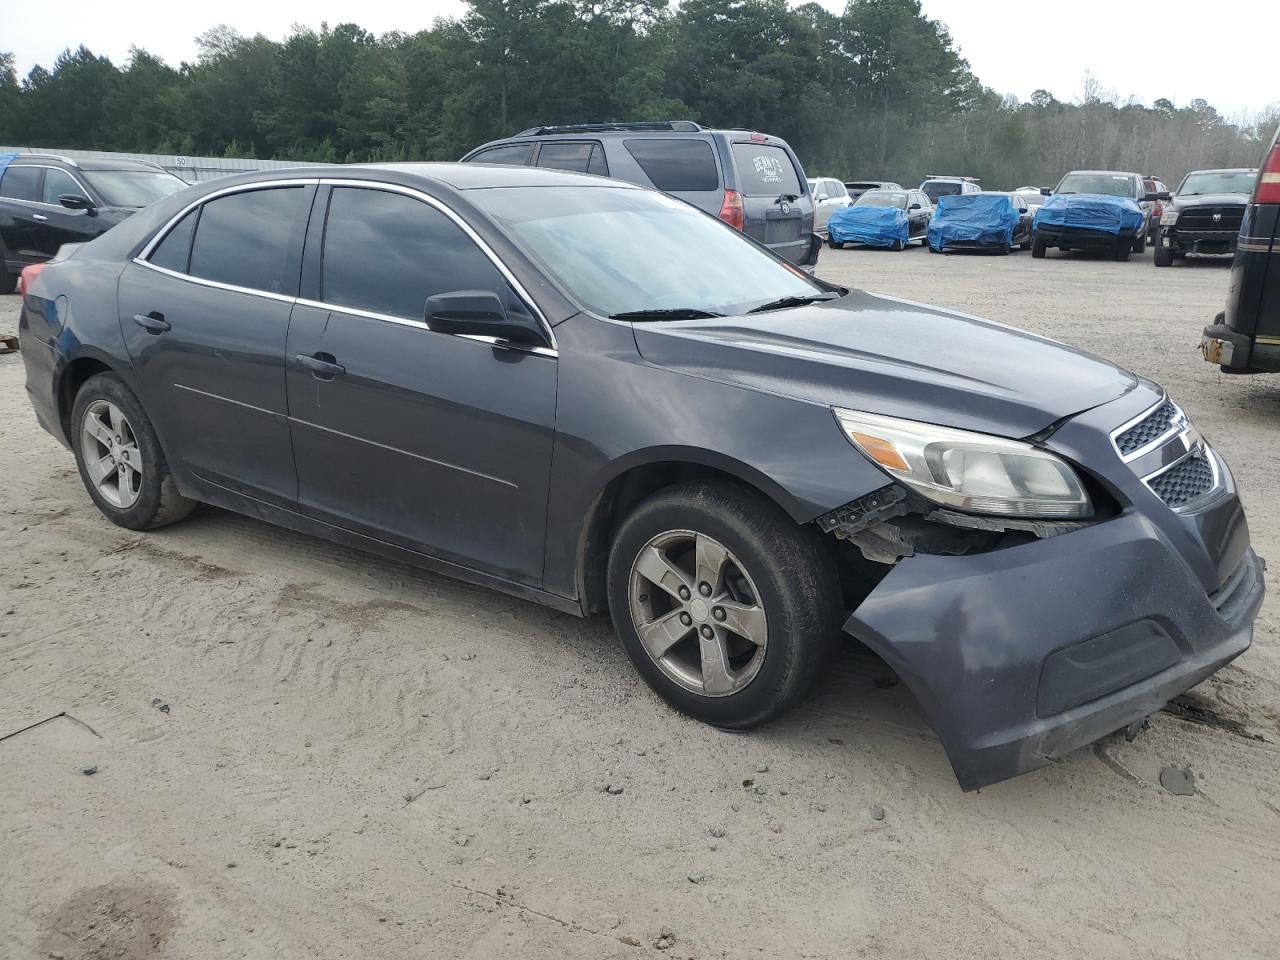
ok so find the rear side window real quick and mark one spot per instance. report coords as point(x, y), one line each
point(386, 253)
point(764, 171)
point(581, 157)
point(245, 239)
point(174, 252)
point(21, 183)
point(513, 155)
point(676, 165)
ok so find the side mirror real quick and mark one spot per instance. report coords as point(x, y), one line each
point(73, 201)
point(914, 206)
point(479, 313)
point(1046, 192)
point(820, 197)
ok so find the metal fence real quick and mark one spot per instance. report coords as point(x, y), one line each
point(190, 169)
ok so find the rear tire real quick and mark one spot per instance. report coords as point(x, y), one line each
point(120, 459)
point(1163, 256)
point(1038, 249)
point(766, 566)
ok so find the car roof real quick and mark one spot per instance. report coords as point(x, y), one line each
point(1225, 170)
point(88, 163)
point(477, 176)
point(1113, 173)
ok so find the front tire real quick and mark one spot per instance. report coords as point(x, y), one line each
point(8, 281)
point(1122, 250)
point(897, 246)
point(1163, 256)
point(1038, 249)
point(1140, 243)
point(727, 608)
point(835, 244)
point(120, 459)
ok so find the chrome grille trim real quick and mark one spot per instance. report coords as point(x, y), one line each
point(1176, 420)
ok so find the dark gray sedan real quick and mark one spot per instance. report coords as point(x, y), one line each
point(594, 396)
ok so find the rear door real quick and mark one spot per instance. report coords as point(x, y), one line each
point(205, 323)
point(22, 216)
point(777, 208)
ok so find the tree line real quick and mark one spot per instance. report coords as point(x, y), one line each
point(879, 91)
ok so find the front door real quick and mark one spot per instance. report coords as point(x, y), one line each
point(205, 322)
point(430, 441)
point(62, 225)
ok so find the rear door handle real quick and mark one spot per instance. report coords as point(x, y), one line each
point(39, 216)
point(153, 322)
point(323, 365)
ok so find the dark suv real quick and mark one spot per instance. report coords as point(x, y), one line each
point(47, 200)
point(1205, 214)
point(749, 180)
point(1246, 337)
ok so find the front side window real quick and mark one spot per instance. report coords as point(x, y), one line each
point(21, 183)
point(676, 166)
point(619, 250)
point(247, 239)
point(764, 170)
point(387, 253)
point(59, 183)
point(511, 155)
point(133, 188)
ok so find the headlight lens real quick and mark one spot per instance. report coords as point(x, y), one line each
point(969, 471)
point(1170, 215)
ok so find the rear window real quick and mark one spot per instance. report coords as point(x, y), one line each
point(21, 183)
point(676, 165)
point(765, 171)
point(512, 154)
point(580, 157)
point(942, 188)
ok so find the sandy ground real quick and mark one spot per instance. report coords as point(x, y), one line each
point(302, 751)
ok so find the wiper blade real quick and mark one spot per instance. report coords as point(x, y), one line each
point(666, 313)
point(783, 302)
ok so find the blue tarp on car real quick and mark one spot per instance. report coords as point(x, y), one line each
point(973, 219)
point(1089, 211)
point(868, 225)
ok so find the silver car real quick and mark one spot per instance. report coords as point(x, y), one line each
point(829, 195)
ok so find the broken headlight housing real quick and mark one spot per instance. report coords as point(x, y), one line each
point(967, 471)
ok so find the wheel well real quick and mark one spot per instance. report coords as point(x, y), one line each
point(73, 379)
point(613, 505)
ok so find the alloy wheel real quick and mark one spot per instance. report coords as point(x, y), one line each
point(111, 455)
point(697, 612)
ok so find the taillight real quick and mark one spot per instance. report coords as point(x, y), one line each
point(1269, 180)
point(731, 209)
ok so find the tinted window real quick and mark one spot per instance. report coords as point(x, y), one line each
point(676, 165)
point(245, 239)
point(837, 188)
point(764, 171)
point(583, 157)
point(174, 251)
point(1104, 184)
point(21, 183)
point(941, 188)
point(514, 155)
point(57, 183)
point(133, 188)
point(386, 253)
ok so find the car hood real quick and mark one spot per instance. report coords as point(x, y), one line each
point(883, 355)
point(1212, 200)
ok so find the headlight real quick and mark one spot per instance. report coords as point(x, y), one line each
point(969, 471)
point(1170, 215)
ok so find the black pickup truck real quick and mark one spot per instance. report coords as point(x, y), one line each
point(1204, 214)
point(1245, 338)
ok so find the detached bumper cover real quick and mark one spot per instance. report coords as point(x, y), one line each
point(990, 642)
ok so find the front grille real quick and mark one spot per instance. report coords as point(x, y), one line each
point(1188, 480)
point(1201, 218)
point(1146, 431)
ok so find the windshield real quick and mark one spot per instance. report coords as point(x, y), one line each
point(1104, 184)
point(621, 250)
point(1217, 181)
point(941, 188)
point(879, 198)
point(133, 188)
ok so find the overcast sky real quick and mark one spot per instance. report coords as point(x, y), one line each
point(1014, 46)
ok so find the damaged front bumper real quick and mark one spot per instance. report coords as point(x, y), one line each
point(1032, 646)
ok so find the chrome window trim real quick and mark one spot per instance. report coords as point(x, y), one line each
point(40, 203)
point(142, 259)
point(1177, 425)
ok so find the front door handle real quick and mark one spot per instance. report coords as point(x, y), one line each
point(323, 365)
point(39, 216)
point(153, 322)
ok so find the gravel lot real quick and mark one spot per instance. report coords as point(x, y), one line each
point(303, 751)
